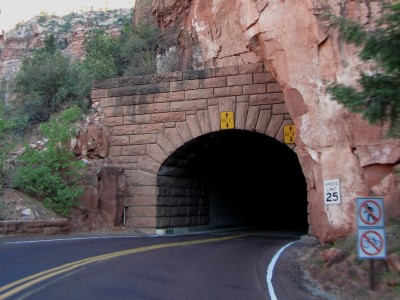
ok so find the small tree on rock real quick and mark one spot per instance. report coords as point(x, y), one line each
point(377, 96)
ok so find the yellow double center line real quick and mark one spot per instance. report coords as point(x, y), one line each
point(24, 283)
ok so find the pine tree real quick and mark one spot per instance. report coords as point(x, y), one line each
point(377, 96)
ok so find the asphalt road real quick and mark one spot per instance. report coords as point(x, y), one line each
point(220, 265)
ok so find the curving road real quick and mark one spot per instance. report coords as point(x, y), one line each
point(220, 265)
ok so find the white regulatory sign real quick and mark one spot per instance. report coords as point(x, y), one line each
point(371, 243)
point(370, 212)
point(332, 191)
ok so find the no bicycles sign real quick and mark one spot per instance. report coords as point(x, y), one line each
point(371, 243)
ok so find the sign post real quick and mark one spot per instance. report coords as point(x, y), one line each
point(371, 241)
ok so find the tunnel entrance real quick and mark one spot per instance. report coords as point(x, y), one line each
point(232, 178)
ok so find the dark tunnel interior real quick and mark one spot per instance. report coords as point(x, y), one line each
point(249, 179)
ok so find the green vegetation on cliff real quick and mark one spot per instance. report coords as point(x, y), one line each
point(50, 91)
point(52, 173)
point(45, 82)
point(377, 96)
point(129, 54)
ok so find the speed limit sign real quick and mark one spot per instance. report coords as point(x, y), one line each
point(332, 191)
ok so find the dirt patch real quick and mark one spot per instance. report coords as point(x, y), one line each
point(15, 205)
point(335, 271)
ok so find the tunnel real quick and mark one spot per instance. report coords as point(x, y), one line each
point(232, 178)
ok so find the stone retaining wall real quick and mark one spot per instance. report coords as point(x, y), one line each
point(35, 226)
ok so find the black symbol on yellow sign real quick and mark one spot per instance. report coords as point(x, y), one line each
point(288, 134)
point(227, 120)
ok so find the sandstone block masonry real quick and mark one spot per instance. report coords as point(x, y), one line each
point(149, 117)
point(34, 226)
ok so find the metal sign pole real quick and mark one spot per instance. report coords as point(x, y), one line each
point(372, 274)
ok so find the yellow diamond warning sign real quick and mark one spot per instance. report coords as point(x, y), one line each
point(288, 134)
point(227, 120)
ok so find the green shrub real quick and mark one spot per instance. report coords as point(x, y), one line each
point(102, 55)
point(45, 82)
point(66, 26)
point(377, 97)
point(42, 17)
point(53, 174)
point(138, 56)
point(6, 123)
point(69, 17)
point(131, 53)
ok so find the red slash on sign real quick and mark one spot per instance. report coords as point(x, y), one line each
point(371, 243)
point(370, 212)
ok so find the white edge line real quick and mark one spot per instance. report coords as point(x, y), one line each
point(118, 236)
point(73, 239)
point(270, 270)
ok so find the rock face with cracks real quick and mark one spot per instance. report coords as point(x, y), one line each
point(305, 54)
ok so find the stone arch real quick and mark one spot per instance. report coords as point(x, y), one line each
point(151, 117)
point(191, 193)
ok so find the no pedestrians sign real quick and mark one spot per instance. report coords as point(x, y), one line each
point(370, 212)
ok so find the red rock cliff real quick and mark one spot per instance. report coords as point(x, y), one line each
point(304, 53)
point(69, 30)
